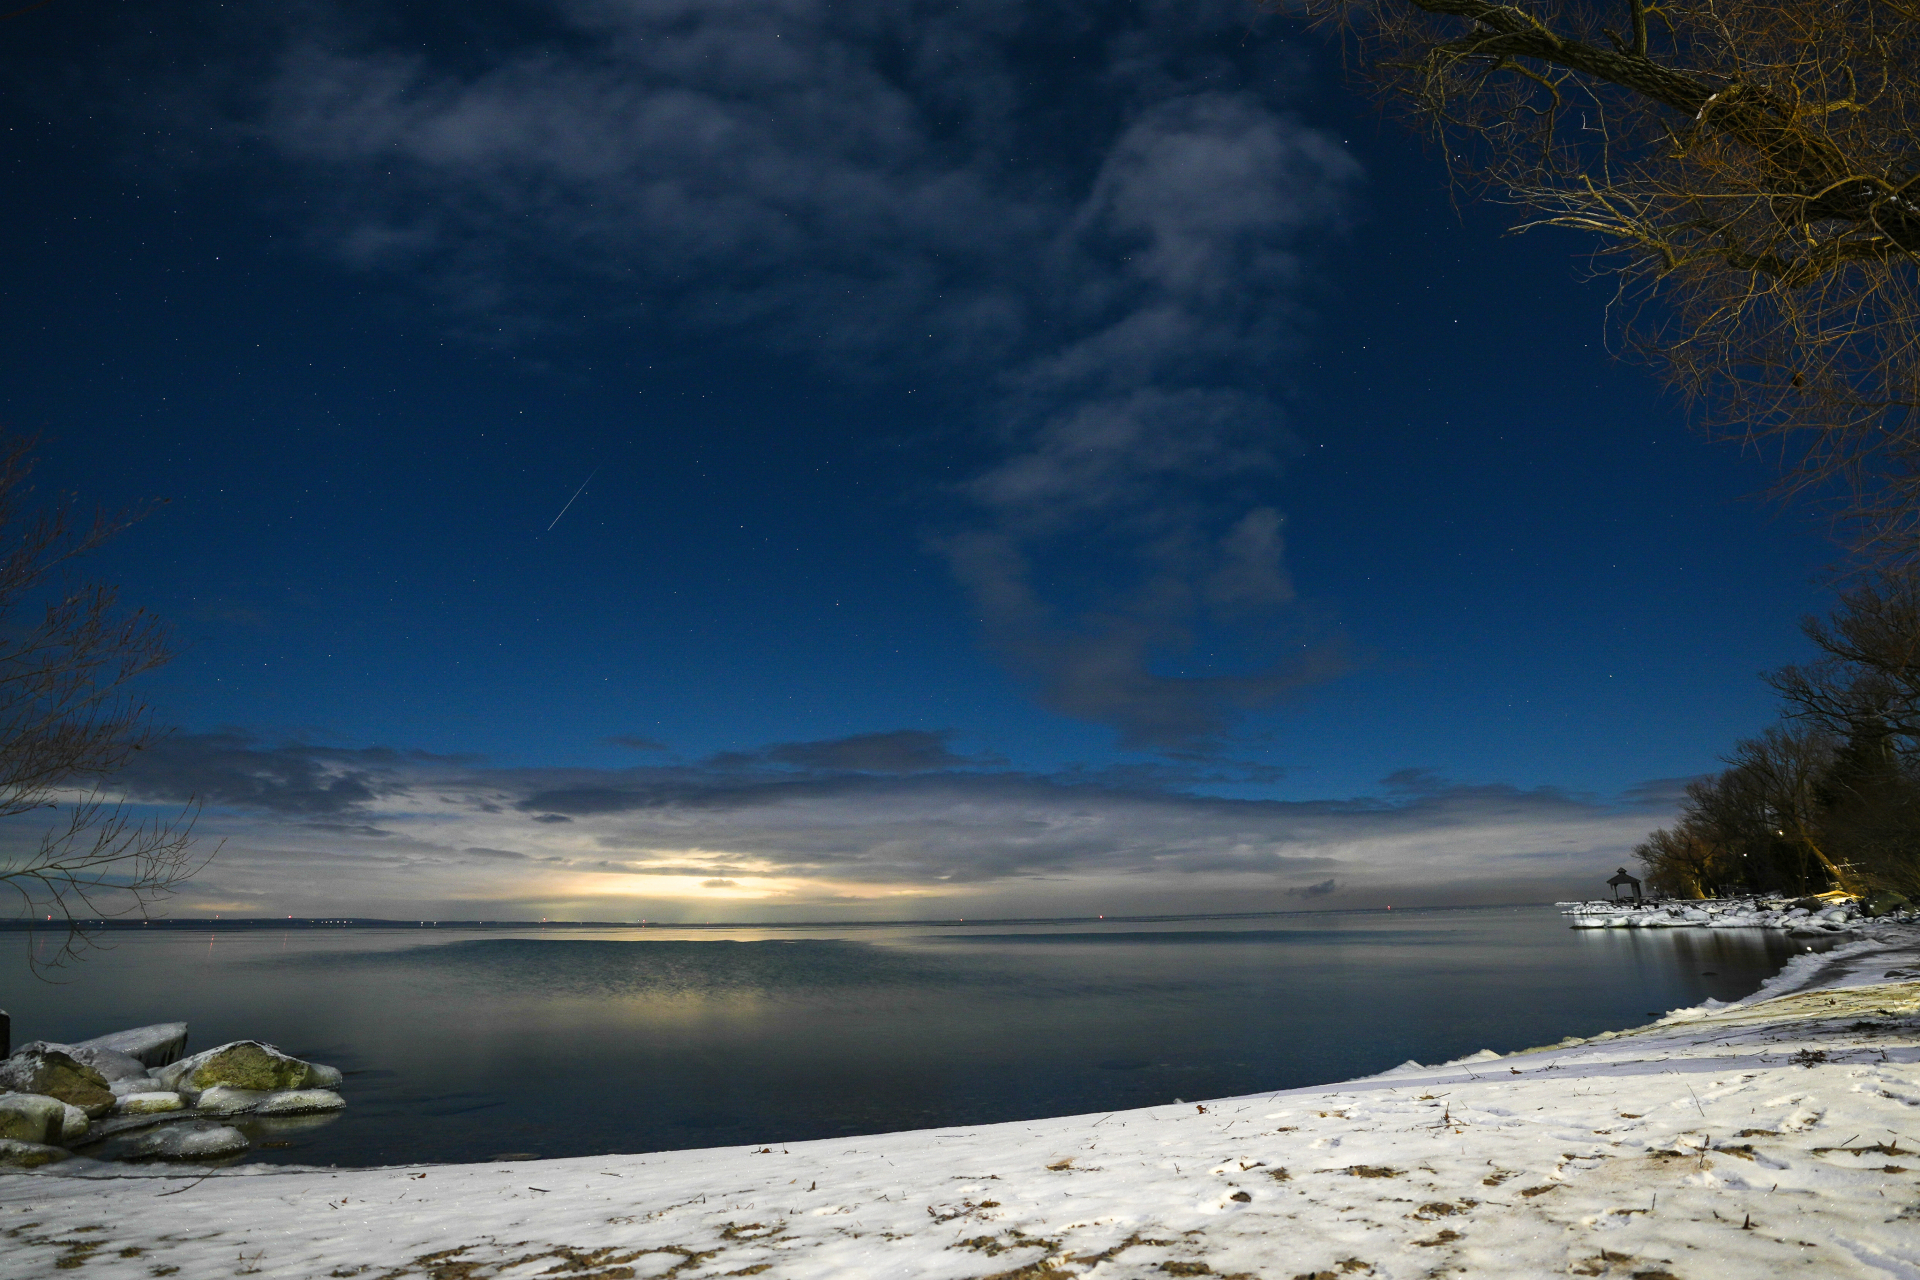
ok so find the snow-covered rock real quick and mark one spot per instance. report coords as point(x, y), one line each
point(32, 1117)
point(225, 1100)
point(321, 1076)
point(15, 1154)
point(242, 1064)
point(146, 1104)
point(300, 1102)
point(190, 1142)
point(55, 1074)
point(112, 1065)
point(121, 1088)
point(152, 1046)
point(73, 1124)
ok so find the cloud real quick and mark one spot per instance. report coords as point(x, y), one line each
point(1414, 781)
point(900, 751)
point(234, 768)
point(648, 840)
point(1088, 226)
point(1128, 442)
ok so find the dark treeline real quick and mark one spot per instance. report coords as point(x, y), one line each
point(1830, 797)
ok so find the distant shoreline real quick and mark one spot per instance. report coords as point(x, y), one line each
point(354, 922)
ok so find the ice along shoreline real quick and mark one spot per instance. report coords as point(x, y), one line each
point(1826, 915)
point(1781, 1130)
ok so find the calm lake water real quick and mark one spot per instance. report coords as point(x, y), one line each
point(466, 1046)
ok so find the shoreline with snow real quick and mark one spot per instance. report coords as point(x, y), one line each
point(1739, 1139)
point(1822, 916)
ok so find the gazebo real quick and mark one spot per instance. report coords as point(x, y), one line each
point(1624, 879)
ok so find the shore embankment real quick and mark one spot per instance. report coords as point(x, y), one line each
point(1776, 1135)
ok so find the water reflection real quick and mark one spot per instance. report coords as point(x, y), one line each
point(467, 1047)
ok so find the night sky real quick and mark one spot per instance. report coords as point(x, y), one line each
point(1009, 460)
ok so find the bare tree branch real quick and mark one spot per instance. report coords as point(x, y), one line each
point(1752, 168)
point(69, 720)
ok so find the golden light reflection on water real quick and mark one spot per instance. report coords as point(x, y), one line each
point(599, 892)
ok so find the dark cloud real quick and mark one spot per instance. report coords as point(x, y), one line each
point(719, 884)
point(351, 828)
point(900, 751)
point(582, 800)
point(1658, 793)
point(481, 851)
point(1414, 781)
point(296, 779)
point(1320, 890)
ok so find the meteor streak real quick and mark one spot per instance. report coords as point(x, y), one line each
point(576, 493)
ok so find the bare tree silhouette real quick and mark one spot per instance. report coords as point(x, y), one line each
point(69, 720)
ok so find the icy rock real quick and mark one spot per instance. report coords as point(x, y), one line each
point(225, 1100)
point(243, 1064)
point(31, 1117)
point(152, 1046)
point(146, 1104)
point(320, 1076)
point(121, 1088)
point(52, 1072)
point(190, 1142)
point(112, 1065)
point(28, 1155)
point(73, 1125)
point(297, 1102)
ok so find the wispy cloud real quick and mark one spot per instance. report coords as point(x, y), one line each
point(1087, 226)
point(448, 837)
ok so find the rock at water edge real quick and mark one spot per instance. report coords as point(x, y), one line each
point(295, 1102)
point(324, 1077)
point(147, 1104)
point(112, 1066)
point(28, 1155)
point(153, 1046)
point(183, 1142)
point(243, 1064)
point(225, 1100)
point(53, 1073)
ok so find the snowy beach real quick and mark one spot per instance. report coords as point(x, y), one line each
point(1778, 1133)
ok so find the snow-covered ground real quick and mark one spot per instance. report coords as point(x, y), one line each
point(1776, 1136)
